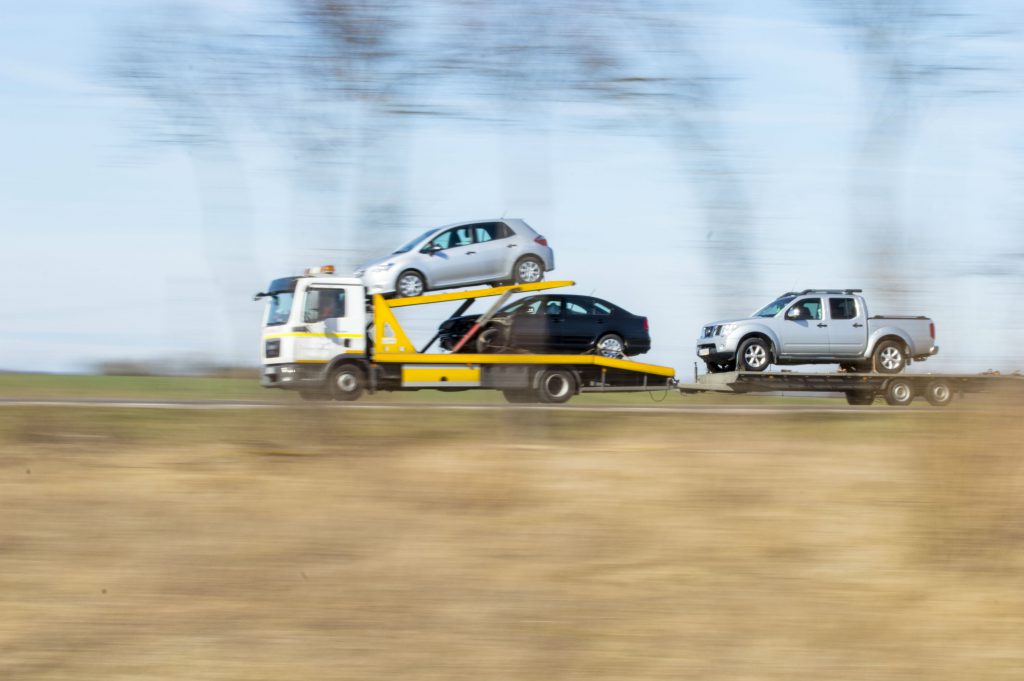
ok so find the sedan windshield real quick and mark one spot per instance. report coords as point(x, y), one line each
point(409, 246)
point(775, 307)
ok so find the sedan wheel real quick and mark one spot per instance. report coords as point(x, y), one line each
point(410, 284)
point(612, 346)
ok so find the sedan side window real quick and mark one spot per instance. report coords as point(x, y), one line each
point(601, 309)
point(575, 309)
point(553, 307)
point(808, 308)
point(842, 308)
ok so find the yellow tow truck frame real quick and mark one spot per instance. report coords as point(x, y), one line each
point(396, 364)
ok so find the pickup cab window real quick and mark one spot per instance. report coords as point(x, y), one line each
point(808, 308)
point(842, 308)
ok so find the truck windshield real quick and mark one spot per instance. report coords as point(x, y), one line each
point(775, 307)
point(409, 246)
point(280, 308)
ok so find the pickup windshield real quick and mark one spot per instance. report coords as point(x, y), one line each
point(775, 307)
point(409, 246)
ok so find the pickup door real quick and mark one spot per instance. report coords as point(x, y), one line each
point(803, 330)
point(847, 326)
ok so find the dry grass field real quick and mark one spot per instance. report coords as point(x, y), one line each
point(325, 543)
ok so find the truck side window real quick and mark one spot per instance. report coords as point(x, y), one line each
point(808, 308)
point(323, 303)
point(842, 308)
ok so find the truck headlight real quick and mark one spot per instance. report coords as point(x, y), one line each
point(727, 329)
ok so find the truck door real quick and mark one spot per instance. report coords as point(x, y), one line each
point(333, 323)
point(847, 330)
point(804, 331)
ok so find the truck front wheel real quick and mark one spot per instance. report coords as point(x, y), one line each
point(347, 382)
point(889, 357)
point(754, 354)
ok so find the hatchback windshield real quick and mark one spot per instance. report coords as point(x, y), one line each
point(775, 307)
point(409, 246)
point(280, 308)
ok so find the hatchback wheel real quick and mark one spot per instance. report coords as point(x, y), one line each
point(410, 284)
point(528, 270)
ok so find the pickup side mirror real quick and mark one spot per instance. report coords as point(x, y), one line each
point(793, 313)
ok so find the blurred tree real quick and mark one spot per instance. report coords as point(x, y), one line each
point(906, 50)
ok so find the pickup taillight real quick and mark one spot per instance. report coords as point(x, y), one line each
point(931, 329)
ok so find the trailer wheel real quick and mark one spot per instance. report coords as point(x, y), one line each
point(347, 382)
point(938, 393)
point(889, 357)
point(859, 398)
point(556, 386)
point(899, 392)
point(754, 354)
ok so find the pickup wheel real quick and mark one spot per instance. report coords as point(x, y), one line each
point(899, 392)
point(938, 393)
point(889, 357)
point(754, 354)
point(347, 382)
point(859, 398)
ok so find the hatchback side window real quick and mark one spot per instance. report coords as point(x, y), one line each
point(842, 308)
point(442, 240)
point(490, 231)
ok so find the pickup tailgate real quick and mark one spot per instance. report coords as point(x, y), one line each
point(920, 331)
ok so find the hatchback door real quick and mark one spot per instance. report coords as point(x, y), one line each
point(450, 258)
point(847, 330)
point(803, 330)
point(494, 251)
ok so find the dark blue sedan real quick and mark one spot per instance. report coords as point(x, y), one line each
point(553, 323)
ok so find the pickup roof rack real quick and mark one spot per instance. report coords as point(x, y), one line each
point(823, 290)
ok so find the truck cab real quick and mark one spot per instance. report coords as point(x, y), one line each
point(309, 324)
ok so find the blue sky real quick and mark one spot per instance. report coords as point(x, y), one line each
point(104, 244)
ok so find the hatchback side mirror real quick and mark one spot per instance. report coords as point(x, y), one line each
point(431, 248)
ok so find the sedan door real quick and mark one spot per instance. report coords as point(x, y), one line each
point(536, 327)
point(847, 328)
point(803, 330)
point(579, 328)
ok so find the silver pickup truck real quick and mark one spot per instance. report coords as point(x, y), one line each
point(817, 327)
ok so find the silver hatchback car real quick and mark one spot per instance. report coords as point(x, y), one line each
point(462, 254)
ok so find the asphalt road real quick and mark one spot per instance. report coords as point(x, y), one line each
point(838, 408)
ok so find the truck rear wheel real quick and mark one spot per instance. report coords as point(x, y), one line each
point(938, 393)
point(556, 386)
point(347, 382)
point(859, 398)
point(899, 392)
point(889, 357)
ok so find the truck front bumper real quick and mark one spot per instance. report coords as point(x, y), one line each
point(292, 375)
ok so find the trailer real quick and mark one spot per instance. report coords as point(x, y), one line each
point(858, 388)
point(325, 338)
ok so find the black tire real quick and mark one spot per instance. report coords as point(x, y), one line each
point(859, 398)
point(491, 338)
point(610, 345)
point(528, 270)
point(720, 367)
point(854, 367)
point(754, 354)
point(314, 395)
point(519, 396)
point(410, 283)
point(348, 381)
point(556, 386)
point(889, 357)
point(938, 393)
point(899, 392)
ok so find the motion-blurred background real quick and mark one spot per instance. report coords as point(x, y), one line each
point(162, 161)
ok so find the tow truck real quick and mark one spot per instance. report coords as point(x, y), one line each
point(326, 338)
